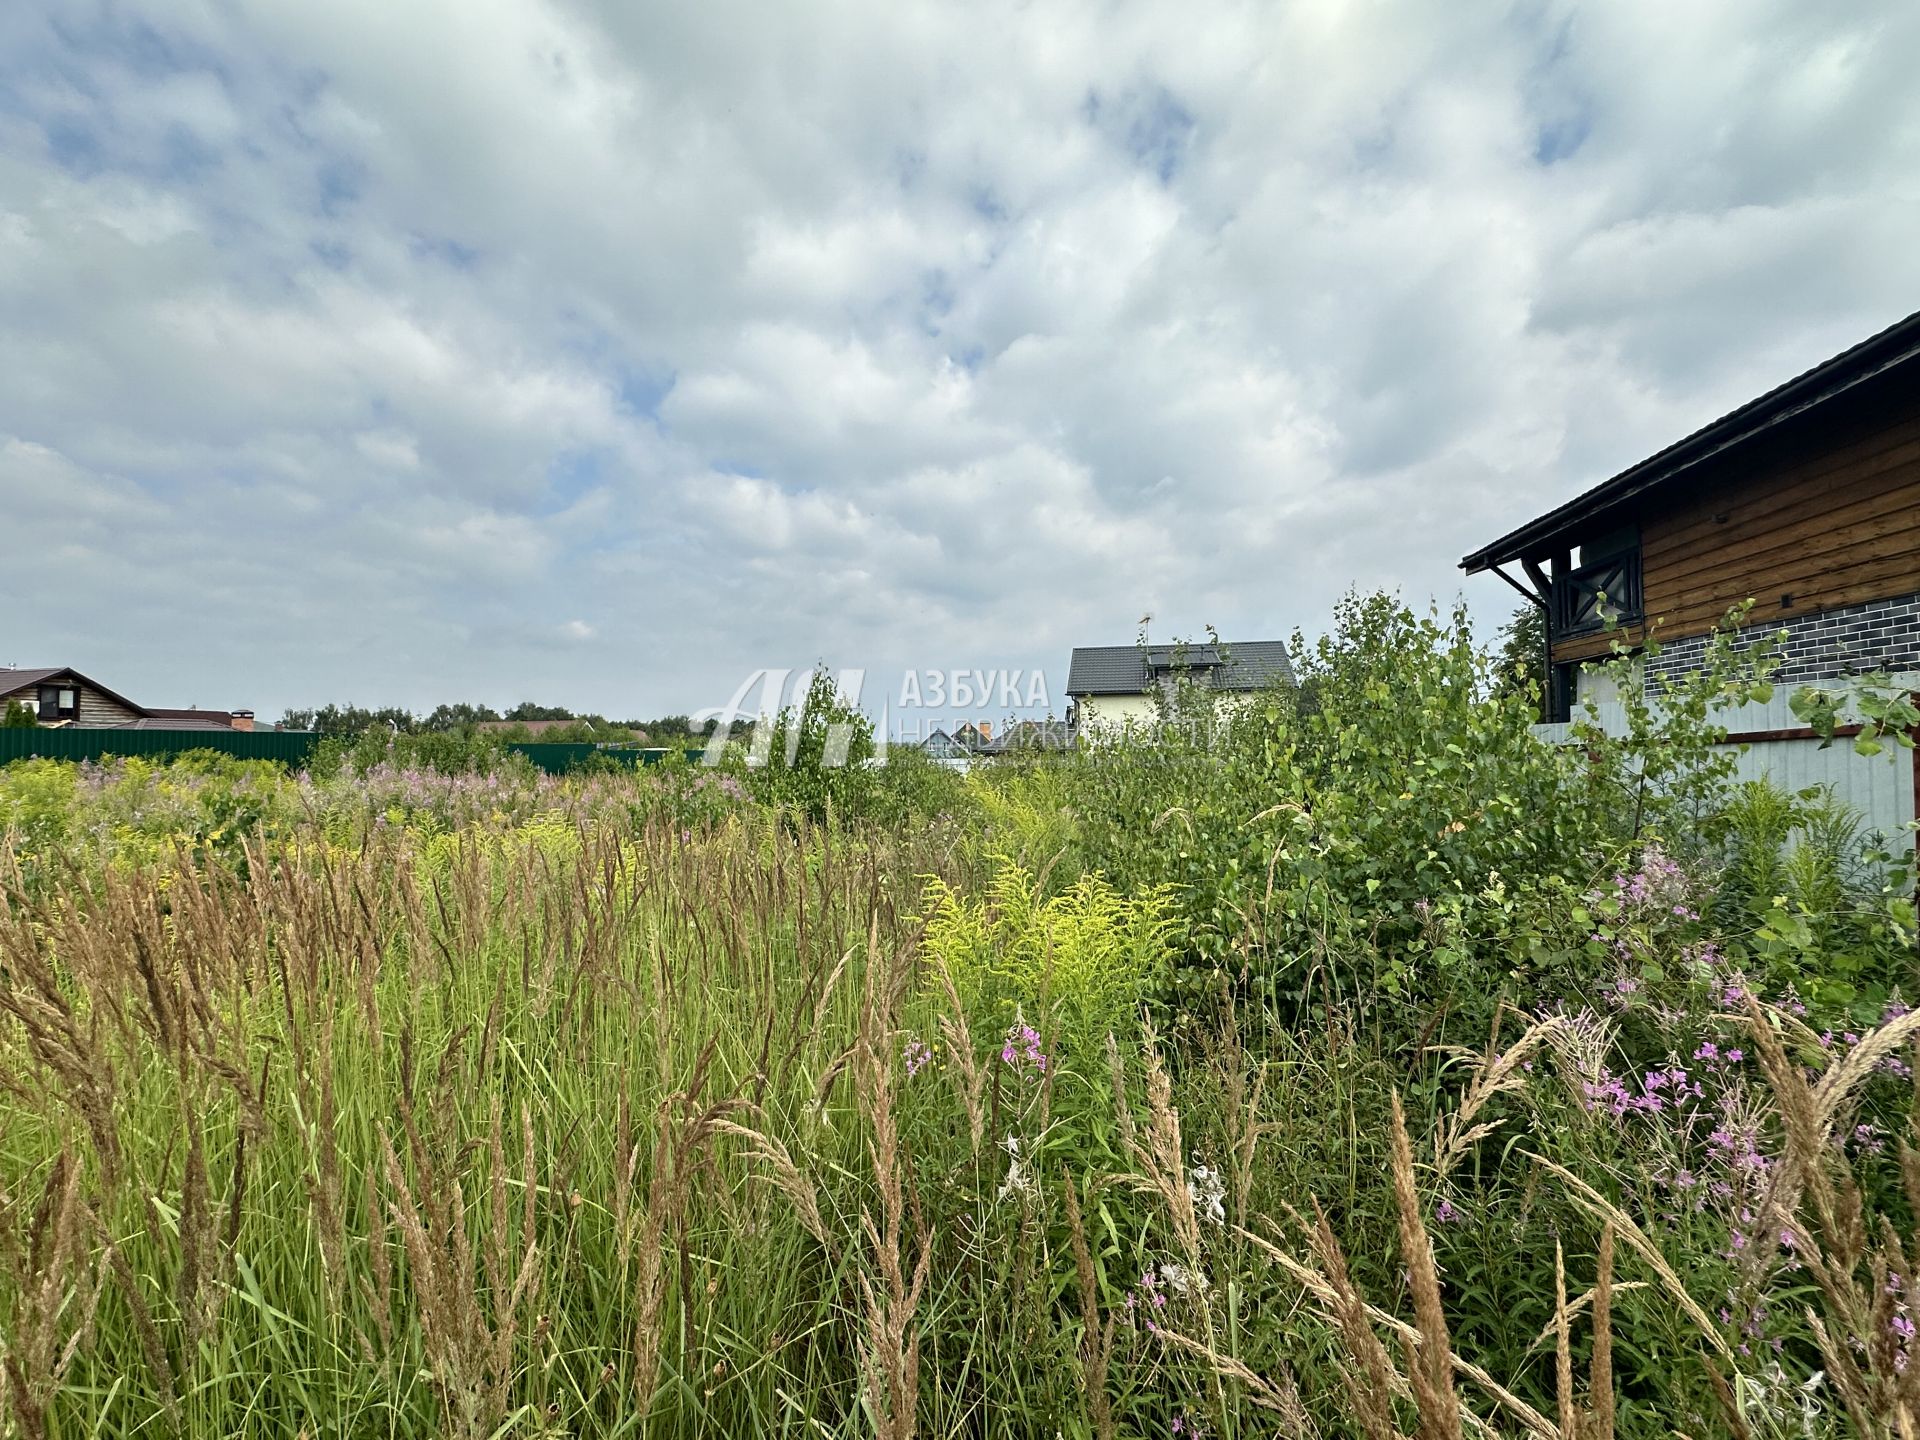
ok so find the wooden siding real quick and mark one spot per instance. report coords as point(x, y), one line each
point(97, 709)
point(1830, 521)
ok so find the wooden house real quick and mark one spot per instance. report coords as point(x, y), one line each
point(1806, 500)
point(61, 696)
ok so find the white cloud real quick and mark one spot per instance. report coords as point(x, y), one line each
point(403, 336)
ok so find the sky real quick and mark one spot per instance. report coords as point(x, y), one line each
point(604, 354)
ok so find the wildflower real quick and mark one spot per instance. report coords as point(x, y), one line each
point(1206, 1191)
point(1022, 1048)
point(1446, 1212)
point(1182, 1281)
point(1019, 1183)
point(917, 1054)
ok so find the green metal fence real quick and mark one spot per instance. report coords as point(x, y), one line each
point(289, 747)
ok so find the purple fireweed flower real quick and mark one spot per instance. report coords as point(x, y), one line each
point(1022, 1048)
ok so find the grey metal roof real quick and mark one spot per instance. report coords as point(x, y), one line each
point(1125, 669)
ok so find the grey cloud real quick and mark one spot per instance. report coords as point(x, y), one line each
point(602, 352)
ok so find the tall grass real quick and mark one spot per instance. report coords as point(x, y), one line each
point(579, 1129)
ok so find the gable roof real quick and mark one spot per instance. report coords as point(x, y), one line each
point(942, 746)
point(14, 681)
point(1127, 670)
point(1898, 345)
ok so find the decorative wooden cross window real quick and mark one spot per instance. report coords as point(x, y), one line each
point(1596, 594)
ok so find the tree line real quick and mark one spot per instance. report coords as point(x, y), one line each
point(334, 719)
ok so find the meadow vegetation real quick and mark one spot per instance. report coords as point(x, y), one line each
point(1353, 1064)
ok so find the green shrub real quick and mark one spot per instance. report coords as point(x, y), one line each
point(816, 761)
point(1084, 959)
point(37, 804)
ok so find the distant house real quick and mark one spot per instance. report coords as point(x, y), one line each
point(943, 749)
point(61, 695)
point(1024, 737)
point(1806, 500)
point(535, 728)
point(1114, 686)
point(942, 746)
point(974, 737)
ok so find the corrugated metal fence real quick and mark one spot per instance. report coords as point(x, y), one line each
point(289, 747)
point(1775, 745)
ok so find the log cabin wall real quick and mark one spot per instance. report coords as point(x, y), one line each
point(98, 709)
point(1821, 528)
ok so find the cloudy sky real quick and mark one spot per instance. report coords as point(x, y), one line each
point(409, 350)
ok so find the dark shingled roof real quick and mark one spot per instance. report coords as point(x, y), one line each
point(12, 680)
point(222, 718)
point(1124, 670)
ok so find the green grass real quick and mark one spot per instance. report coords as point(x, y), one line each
point(554, 1124)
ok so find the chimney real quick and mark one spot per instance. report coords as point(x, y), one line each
point(985, 727)
point(243, 719)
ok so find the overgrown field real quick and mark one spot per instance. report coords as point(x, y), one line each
point(1362, 1068)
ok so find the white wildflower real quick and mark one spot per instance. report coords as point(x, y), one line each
point(1181, 1281)
point(1207, 1193)
point(1019, 1182)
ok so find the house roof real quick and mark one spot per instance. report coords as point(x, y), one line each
point(174, 722)
point(943, 746)
point(221, 719)
point(14, 681)
point(532, 727)
point(1031, 735)
point(1897, 345)
point(1128, 670)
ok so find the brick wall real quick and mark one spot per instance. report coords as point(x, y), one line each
point(1881, 635)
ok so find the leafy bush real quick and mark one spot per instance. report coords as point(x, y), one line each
point(37, 806)
point(815, 760)
point(1083, 960)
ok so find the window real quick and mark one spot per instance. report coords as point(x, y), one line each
point(1597, 593)
point(59, 702)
